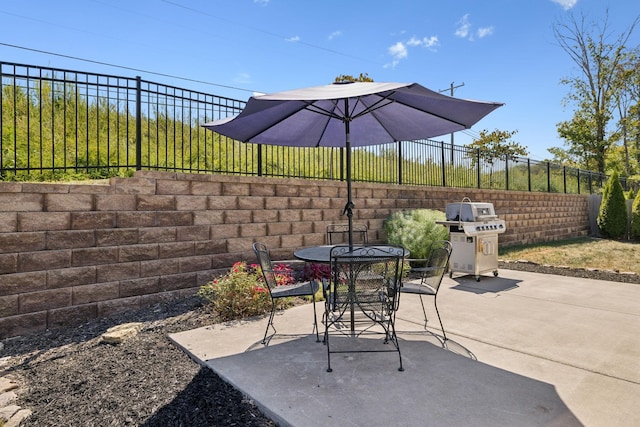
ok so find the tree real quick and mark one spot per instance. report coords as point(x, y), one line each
point(627, 102)
point(492, 146)
point(496, 145)
point(564, 157)
point(593, 90)
point(612, 217)
point(583, 145)
point(363, 77)
point(635, 218)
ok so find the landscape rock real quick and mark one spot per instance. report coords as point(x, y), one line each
point(7, 384)
point(121, 333)
point(18, 417)
point(8, 411)
point(7, 398)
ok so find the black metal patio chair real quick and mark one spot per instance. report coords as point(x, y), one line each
point(363, 291)
point(339, 233)
point(276, 291)
point(431, 275)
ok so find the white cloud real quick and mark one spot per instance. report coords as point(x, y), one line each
point(293, 39)
point(464, 26)
point(398, 51)
point(566, 4)
point(428, 42)
point(335, 34)
point(465, 30)
point(261, 2)
point(485, 31)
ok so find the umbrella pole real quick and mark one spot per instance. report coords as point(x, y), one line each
point(348, 209)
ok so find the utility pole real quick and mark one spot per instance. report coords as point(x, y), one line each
point(451, 88)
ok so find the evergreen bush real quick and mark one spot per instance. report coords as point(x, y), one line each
point(612, 217)
point(635, 218)
point(415, 230)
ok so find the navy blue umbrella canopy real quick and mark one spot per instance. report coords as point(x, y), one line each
point(352, 114)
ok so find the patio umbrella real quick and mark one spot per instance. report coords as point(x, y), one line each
point(351, 114)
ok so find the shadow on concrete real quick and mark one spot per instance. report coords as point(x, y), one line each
point(194, 407)
point(486, 284)
point(289, 382)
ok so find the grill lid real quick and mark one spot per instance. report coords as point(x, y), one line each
point(470, 212)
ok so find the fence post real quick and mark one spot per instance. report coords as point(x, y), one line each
point(138, 123)
point(564, 178)
point(478, 165)
point(442, 158)
point(578, 181)
point(400, 162)
point(548, 177)
point(506, 172)
point(259, 159)
point(529, 173)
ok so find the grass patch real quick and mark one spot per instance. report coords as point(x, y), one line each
point(585, 252)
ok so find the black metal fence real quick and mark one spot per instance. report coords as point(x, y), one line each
point(57, 121)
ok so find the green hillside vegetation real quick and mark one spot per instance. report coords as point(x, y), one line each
point(54, 132)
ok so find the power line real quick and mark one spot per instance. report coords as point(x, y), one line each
point(139, 70)
point(267, 32)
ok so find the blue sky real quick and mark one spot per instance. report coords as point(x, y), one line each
point(496, 50)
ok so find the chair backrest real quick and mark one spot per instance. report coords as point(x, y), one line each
point(339, 233)
point(437, 264)
point(265, 265)
point(368, 277)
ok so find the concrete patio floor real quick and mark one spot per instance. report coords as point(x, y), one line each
point(524, 349)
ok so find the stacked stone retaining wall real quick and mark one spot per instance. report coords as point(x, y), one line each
point(70, 253)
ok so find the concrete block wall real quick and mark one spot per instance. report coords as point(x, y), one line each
point(70, 253)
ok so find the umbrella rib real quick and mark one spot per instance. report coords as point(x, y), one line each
point(432, 114)
point(258, 132)
point(323, 111)
point(380, 103)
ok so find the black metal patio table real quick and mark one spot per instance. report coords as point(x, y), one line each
point(322, 255)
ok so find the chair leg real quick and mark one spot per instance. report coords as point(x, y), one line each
point(396, 343)
point(315, 319)
point(435, 303)
point(270, 323)
point(326, 342)
point(423, 312)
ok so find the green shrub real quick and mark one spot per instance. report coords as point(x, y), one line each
point(635, 218)
point(612, 217)
point(630, 195)
point(415, 230)
point(242, 292)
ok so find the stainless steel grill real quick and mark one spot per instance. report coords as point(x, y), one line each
point(473, 232)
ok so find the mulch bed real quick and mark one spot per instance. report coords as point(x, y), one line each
point(68, 377)
point(587, 273)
